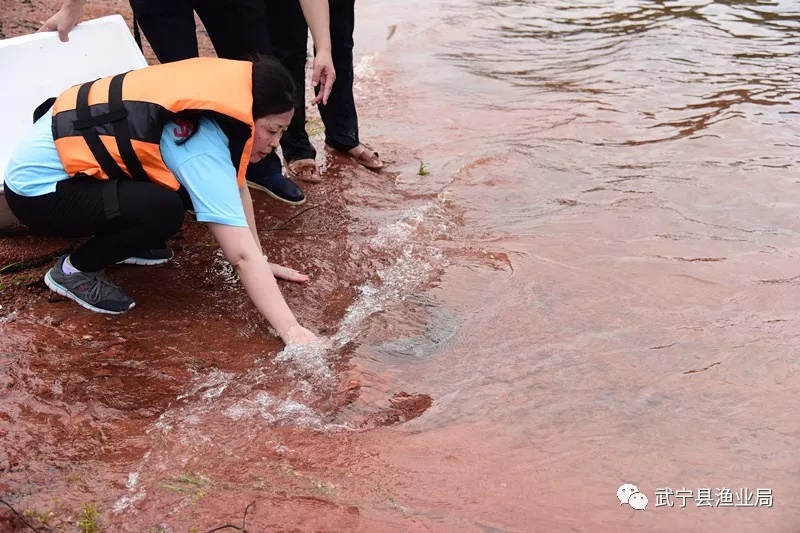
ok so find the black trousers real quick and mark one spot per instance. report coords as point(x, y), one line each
point(289, 38)
point(147, 215)
point(237, 28)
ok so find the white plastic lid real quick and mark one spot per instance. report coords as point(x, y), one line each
point(38, 66)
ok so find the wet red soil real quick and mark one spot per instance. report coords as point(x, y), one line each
point(81, 391)
point(605, 267)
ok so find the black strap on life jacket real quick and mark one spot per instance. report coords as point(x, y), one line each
point(121, 132)
point(111, 199)
point(117, 116)
point(43, 108)
point(87, 124)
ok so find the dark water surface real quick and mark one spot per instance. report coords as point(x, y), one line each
point(595, 283)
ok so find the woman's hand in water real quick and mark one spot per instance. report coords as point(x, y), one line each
point(297, 334)
point(289, 274)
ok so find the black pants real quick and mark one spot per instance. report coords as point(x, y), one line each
point(148, 215)
point(288, 34)
point(289, 37)
point(237, 28)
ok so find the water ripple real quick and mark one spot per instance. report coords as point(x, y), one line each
point(667, 70)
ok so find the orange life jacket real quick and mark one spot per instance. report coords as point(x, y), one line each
point(112, 127)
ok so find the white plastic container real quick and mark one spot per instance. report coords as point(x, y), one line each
point(38, 66)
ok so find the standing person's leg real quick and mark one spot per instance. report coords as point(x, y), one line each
point(289, 35)
point(144, 217)
point(168, 26)
point(339, 115)
point(238, 29)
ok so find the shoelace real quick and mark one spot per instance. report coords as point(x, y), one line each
point(100, 287)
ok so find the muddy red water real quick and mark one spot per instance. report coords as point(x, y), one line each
point(579, 271)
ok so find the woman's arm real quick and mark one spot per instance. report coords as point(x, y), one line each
point(247, 203)
point(242, 252)
point(317, 15)
point(203, 166)
point(278, 271)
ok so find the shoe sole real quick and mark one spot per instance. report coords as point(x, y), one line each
point(63, 291)
point(143, 262)
point(264, 189)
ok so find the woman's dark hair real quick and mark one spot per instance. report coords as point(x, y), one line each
point(273, 88)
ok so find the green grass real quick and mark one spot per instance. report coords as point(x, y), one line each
point(88, 522)
point(314, 126)
point(191, 486)
point(43, 517)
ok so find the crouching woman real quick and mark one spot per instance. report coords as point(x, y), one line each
point(115, 160)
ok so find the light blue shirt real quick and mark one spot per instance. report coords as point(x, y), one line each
point(35, 168)
point(202, 165)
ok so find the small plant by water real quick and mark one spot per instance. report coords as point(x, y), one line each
point(43, 517)
point(89, 521)
point(189, 485)
point(422, 171)
point(314, 126)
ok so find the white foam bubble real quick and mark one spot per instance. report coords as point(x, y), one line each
point(10, 317)
point(212, 385)
point(128, 501)
point(364, 69)
point(306, 360)
point(238, 412)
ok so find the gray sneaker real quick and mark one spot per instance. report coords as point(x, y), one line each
point(92, 290)
point(149, 257)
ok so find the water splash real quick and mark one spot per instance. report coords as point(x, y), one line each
point(364, 69)
point(309, 366)
point(10, 317)
point(129, 501)
point(212, 385)
point(224, 270)
point(306, 361)
point(135, 492)
point(412, 268)
point(239, 406)
point(274, 411)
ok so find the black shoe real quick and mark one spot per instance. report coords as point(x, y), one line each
point(279, 187)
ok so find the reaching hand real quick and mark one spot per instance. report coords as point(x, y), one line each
point(323, 74)
point(63, 21)
point(297, 334)
point(287, 273)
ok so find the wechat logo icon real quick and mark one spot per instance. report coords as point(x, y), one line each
point(629, 494)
